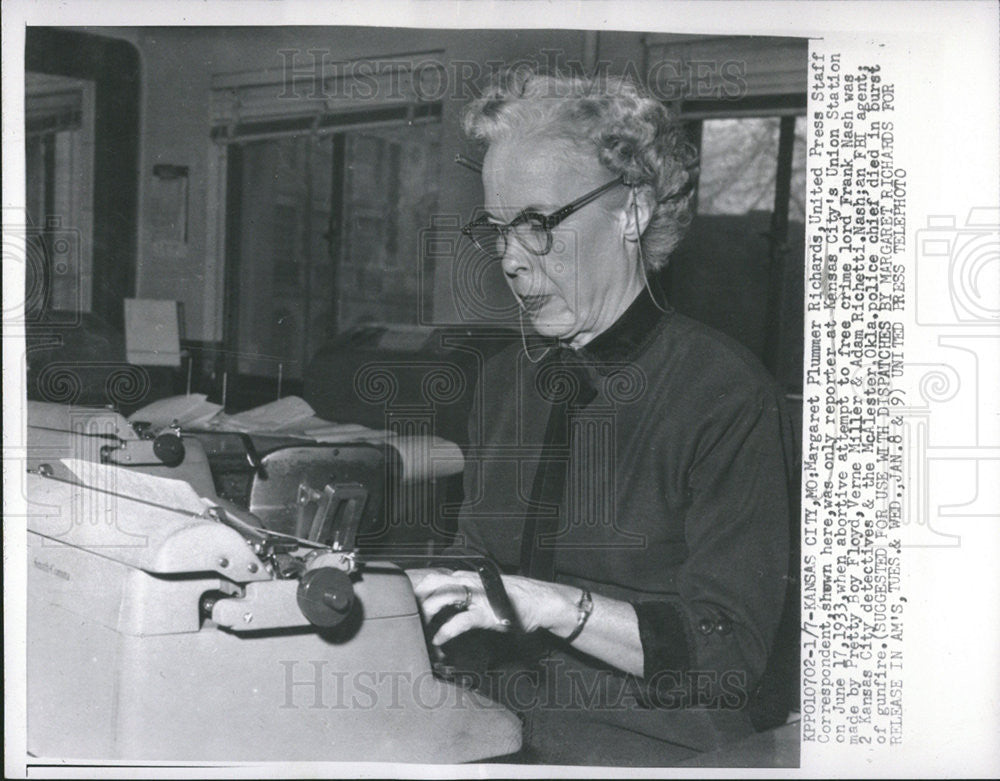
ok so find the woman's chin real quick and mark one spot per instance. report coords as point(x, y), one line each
point(554, 328)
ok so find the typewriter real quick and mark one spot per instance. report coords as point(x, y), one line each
point(203, 596)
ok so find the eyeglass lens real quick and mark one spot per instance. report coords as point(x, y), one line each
point(491, 238)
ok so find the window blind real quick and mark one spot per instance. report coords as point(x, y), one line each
point(311, 94)
point(730, 74)
point(53, 112)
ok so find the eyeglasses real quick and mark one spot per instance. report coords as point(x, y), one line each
point(532, 229)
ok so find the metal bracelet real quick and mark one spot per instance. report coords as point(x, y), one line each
point(585, 606)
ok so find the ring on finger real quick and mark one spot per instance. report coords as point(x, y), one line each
point(463, 604)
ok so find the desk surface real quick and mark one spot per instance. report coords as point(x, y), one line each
point(778, 747)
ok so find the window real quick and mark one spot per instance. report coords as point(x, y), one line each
point(59, 124)
point(324, 236)
point(739, 268)
point(331, 170)
point(740, 166)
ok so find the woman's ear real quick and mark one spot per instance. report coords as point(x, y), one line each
point(638, 212)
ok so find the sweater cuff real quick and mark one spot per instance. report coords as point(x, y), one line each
point(664, 637)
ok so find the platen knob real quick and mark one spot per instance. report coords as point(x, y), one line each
point(325, 596)
point(169, 448)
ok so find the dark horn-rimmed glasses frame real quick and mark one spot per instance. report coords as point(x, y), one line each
point(491, 237)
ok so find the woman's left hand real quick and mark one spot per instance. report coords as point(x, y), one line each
point(538, 604)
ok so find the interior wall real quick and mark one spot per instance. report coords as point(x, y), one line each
point(177, 67)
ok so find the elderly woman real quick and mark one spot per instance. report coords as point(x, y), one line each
point(628, 466)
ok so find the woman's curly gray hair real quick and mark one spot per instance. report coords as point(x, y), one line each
point(632, 134)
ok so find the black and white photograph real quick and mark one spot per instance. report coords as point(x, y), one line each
point(414, 390)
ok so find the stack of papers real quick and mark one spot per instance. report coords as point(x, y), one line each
point(191, 411)
point(285, 415)
point(422, 456)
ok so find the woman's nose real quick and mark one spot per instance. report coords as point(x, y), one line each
point(515, 260)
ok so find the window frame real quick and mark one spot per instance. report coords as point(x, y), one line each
point(787, 108)
point(229, 142)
